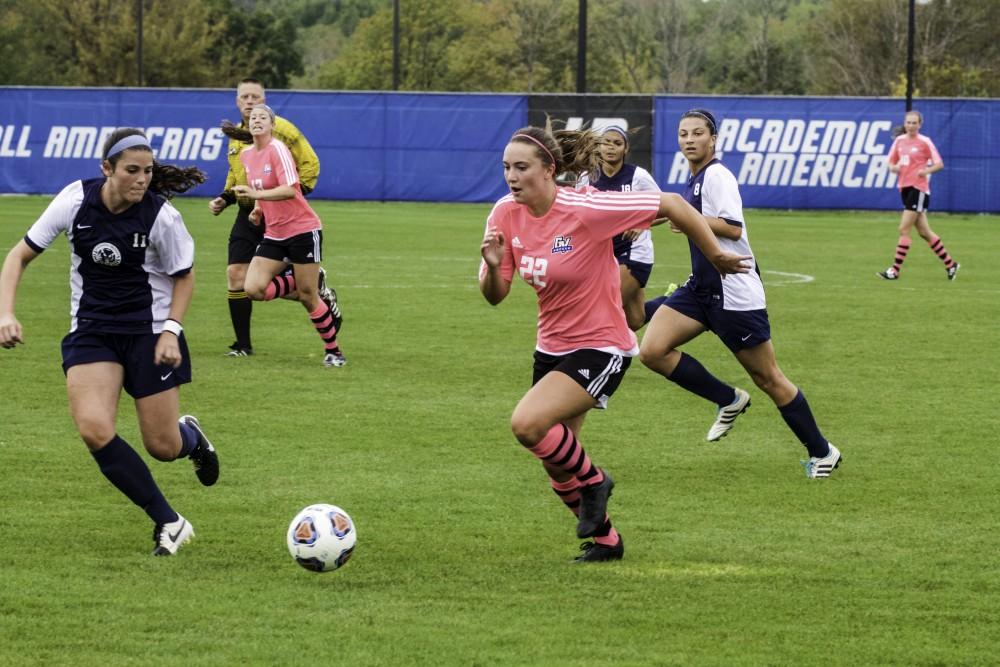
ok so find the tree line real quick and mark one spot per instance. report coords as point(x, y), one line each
point(787, 47)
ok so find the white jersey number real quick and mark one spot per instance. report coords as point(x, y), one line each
point(533, 270)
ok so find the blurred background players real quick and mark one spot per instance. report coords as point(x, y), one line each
point(633, 248)
point(245, 237)
point(131, 280)
point(914, 158)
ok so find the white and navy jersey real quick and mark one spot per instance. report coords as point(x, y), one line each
point(630, 178)
point(122, 264)
point(715, 193)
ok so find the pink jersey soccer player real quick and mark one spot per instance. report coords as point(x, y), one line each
point(293, 232)
point(559, 241)
point(914, 157)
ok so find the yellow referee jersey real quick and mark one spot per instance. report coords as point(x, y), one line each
point(306, 160)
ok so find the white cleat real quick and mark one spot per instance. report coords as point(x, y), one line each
point(170, 536)
point(727, 415)
point(822, 467)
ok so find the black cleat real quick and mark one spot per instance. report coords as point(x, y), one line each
point(594, 506)
point(595, 553)
point(203, 456)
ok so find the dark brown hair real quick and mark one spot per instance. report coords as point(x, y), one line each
point(167, 179)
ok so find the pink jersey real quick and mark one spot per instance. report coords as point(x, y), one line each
point(566, 255)
point(912, 155)
point(269, 168)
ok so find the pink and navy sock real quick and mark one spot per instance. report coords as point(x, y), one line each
point(938, 247)
point(561, 449)
point(281, 285)
point(902, 247)
point(322, 319)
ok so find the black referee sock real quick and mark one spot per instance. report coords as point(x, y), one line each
point(240, 309)
point(129, 473)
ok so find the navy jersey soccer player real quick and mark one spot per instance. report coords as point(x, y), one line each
point(732, 307)
point(131, 281)
point(122, 264)
point(633, 249)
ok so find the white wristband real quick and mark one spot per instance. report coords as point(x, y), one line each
point(173, 326)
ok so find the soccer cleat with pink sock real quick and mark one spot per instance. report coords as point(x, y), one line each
point(595, 553)
point(953, 270)
point(888, 274)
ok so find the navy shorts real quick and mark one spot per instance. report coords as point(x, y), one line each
point(304, 248)
point(599, 373)
point(244, 237)
point(738, 329)
point(623, 254)
point(914, 199)
point(134, 353)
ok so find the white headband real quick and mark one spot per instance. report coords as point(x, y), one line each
point(131, 141)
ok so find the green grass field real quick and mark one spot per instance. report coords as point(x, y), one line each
point(732, 556)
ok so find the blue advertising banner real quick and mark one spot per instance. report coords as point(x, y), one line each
point(802, 153)
point(785, 152)
point(372, 146)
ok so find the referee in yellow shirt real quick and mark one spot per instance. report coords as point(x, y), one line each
point(245, 236)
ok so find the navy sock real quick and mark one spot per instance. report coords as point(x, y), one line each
point(691, 375)
point(800, 419)
point(129, 473)
point(653, 305)
point(189, 439)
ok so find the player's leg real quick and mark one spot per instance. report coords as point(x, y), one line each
point(908, 218)
point(635, 269)
point(936, 244)
point(264, 279)
point(243, 240)
point(760, 362)
point(547, 420)
point(93, 389)
point(305, 251)
point(680, 321)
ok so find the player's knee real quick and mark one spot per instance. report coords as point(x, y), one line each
point(162, 449)
point(527, 430)
point(95, 434)
point(256, 292)
point(235, 275)
point(650, 354)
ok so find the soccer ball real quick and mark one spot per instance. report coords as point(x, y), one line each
point(321, 537)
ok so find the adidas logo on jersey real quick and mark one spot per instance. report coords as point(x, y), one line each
point(516, 243)
point(585, 372)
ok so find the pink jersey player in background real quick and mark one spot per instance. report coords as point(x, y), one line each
point(559, 240)
point(292, 234)
point(914, 158)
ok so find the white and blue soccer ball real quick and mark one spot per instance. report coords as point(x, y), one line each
point(321, 537)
